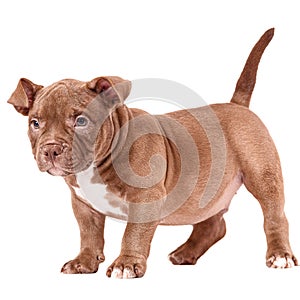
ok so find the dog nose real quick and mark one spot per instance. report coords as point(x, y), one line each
point(51, 151)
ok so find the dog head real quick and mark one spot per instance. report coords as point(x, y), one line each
point(65, 117)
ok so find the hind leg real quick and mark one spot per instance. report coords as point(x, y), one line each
point(265, 182)
point(203, 236)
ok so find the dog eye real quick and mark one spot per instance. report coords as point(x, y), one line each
point(81, 121)
point(35, 124)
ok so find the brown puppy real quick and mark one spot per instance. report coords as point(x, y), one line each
point(180, 168)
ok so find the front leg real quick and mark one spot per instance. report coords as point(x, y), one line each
point(135, 249)
point(91, 225)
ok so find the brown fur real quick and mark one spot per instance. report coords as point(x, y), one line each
point(142, 158)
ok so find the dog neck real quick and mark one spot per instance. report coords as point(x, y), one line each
point(109, 142)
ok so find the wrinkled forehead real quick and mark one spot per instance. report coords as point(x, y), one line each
point(63, 97)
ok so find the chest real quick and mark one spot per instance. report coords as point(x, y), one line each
point(96, 195)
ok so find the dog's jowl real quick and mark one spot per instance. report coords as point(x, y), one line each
point(179, 168)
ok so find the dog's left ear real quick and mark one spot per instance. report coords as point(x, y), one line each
point(22, 98)
point(114, 90)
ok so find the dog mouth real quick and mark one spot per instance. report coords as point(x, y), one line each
point(60, 160)
point(55, 167)
point(56, 171)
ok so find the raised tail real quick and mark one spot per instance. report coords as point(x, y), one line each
point(246, 82)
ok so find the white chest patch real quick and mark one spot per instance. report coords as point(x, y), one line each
point(98, 197)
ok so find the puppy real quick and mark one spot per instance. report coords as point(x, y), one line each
point(179, 168)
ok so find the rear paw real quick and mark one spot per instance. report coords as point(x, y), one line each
point(182, 256)
point(282, 261)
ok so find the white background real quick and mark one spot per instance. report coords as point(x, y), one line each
point(202, 44)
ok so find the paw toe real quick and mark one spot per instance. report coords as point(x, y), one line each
point(281, 262)
point(182, 258)
point(81, 266)
point(116, 273)
point(127, 268)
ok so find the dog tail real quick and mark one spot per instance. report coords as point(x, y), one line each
point(246, 82)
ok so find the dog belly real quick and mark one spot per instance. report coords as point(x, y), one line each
point(192, 213)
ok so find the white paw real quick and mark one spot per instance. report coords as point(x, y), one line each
point(125, 274)
point(280, 262)
point(117, 273)
point(128, 273)
point(126, 267)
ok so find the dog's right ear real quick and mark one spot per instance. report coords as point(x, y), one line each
point(22, 98)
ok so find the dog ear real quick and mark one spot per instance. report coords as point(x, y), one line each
point(114, 90)
point(22, 98)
